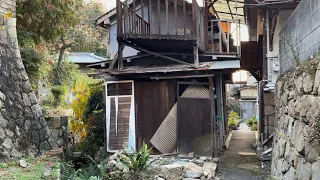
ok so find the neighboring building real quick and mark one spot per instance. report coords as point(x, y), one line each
point(266, 20)
point(83, 59)
point(171, 61)
point(248, 100)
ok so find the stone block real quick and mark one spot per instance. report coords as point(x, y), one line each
point(2, 96)
point(33, 98)
point(26, 99)
point(269, 99)
point(298, 139)
point(36, 110)
point(54, 122)
point(303, 170)
point(308, 81)
point(290, 174)
point(316, 170)
point(172, 171)
point(210, 168)
point(316, 83)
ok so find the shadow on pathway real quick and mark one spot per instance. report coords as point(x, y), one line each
point(234, 166)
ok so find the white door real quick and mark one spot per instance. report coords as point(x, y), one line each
point(120, 116)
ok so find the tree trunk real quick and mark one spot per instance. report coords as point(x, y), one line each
point(58, 80)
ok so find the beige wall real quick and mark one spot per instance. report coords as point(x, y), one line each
point(249, 93)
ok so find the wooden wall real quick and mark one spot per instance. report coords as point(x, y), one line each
point(153, 101)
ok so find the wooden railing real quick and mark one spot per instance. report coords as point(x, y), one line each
point(160, 19)
point(220, 42)
point(130, 22)
point(199, 24)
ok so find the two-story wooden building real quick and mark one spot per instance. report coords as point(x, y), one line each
point(170, 62)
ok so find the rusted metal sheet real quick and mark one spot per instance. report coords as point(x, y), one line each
point(153, 102)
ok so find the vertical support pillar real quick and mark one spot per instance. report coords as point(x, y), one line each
point(105, 121)
point(213, 119)
point(196, 55)
point(120, 60)
point(224, 110)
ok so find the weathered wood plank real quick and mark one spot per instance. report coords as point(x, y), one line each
point(143, 21)
point(159, 19)
point(167, 17)
point(150, 18)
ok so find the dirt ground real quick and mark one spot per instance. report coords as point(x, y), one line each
point(243, 166)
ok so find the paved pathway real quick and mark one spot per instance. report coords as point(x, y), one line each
point(233, 166)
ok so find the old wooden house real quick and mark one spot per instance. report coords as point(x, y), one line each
point(166, 80)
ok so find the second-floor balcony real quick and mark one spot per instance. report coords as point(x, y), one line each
point(173, 26)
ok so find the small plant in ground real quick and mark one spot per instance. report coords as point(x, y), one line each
point(136, 162)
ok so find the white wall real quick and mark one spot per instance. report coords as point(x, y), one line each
point(273, 56)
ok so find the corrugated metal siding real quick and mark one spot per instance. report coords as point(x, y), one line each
point(153, 102)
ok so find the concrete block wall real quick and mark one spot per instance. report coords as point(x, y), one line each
point(300, 37)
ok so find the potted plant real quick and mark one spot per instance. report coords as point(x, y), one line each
point(233, 120)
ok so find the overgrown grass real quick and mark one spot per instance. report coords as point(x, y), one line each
point(34, 171)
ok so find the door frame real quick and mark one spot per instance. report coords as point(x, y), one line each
point(132, 126)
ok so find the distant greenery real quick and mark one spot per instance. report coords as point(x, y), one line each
point(234, 106)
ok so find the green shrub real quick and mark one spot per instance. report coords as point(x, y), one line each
point(137, 161)
point(233, 119)
point(58, 92)
point(95, 136)
point(251, 121)
point(234, 106)
point(254, 127)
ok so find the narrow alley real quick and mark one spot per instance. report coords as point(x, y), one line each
point(239, 161)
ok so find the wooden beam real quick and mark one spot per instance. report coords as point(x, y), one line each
point(230, 9)
point(175, 17)
point(185, 19)
point(215, 12)
point(150, 18)
point(196, 55)
point(142, 14)
point(120, 60)
point(134, 17)
point(156, 54)
point(167, 18)
point(115, 59)
point(194, 17)
point(213, 120)
point(159, 19)
point(228, 13)
point(125, 18)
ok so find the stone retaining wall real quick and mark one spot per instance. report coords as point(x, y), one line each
point(296, 147)
point(58, 131)
point(23, 128)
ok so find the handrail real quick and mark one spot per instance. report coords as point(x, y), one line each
point(131, 22)
point(223, 37)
